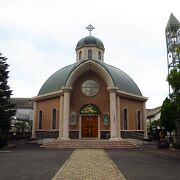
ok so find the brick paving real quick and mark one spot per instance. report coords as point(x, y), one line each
point(89, 164)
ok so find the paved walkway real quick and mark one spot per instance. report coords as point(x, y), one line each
point(89, 164)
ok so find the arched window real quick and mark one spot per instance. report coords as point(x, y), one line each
point(99, 55)
point(138, 120)
point(125, 123)
point(54, 118)
point(89, 54)
point(40, 119)
point(80, 55)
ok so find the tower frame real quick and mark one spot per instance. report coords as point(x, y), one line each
point(172, 33)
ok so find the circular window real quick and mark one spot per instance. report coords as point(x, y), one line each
point(90, 88)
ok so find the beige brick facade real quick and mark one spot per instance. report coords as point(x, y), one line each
point(47, 106)
point(132, 107)
point(101, 100)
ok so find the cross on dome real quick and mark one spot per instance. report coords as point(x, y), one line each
point(90, 28)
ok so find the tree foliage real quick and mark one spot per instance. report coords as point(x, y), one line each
point(6, 108)
point(170, 112)
point(20, 126)
point(155, 124)
point(168, 115)
point(174, 81)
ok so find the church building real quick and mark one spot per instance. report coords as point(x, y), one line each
point(89, 99)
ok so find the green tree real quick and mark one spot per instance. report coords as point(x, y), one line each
point(6, 108)
point(21, 126)
point(174, 81)
point(168, 115)
point(154, 124)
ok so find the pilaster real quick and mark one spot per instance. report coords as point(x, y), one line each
point(80, 124)
point(118, 117)
point(34, 120)
point(113, 114)
point(61, 117)
point(145, 123)
point(99, 124)
point(66, 114)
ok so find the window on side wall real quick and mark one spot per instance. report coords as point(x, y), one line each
point(125, 121)
point(138, 120)
point(54, 117)
point(40, 119)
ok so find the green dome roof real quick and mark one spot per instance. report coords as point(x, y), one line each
point(121, 80)
point(90, 40)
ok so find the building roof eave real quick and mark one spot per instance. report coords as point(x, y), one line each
point(48, 95)
point(131, 96)
point(153, 112)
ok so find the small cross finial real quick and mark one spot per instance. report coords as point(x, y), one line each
point(90, 28)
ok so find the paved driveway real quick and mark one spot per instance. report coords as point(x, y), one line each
point(28, 161)
point(147, 163)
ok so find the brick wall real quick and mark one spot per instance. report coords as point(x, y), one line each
point(132, 107)
point(78, 99)
point(46, 106)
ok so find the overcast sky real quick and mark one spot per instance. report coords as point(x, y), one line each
point(39, 37)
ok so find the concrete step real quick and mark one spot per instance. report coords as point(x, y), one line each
point(89, 144)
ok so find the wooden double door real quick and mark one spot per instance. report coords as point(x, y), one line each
point(89, 126)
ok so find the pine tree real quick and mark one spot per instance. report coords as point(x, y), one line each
point(6, 108)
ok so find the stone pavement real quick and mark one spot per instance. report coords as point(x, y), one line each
point(89, 164)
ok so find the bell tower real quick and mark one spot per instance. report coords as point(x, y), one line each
point(172, 32)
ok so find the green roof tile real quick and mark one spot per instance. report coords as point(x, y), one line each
point(58, 80)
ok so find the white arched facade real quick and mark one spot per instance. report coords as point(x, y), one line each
point(86, 66)
point(102, 72)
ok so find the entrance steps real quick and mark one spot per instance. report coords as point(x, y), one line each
point(88, 144)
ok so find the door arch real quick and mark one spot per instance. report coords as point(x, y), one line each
point(89, 121)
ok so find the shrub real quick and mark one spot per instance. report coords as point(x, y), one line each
point(176, 146)
point(162, 144)
point(3, 140)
